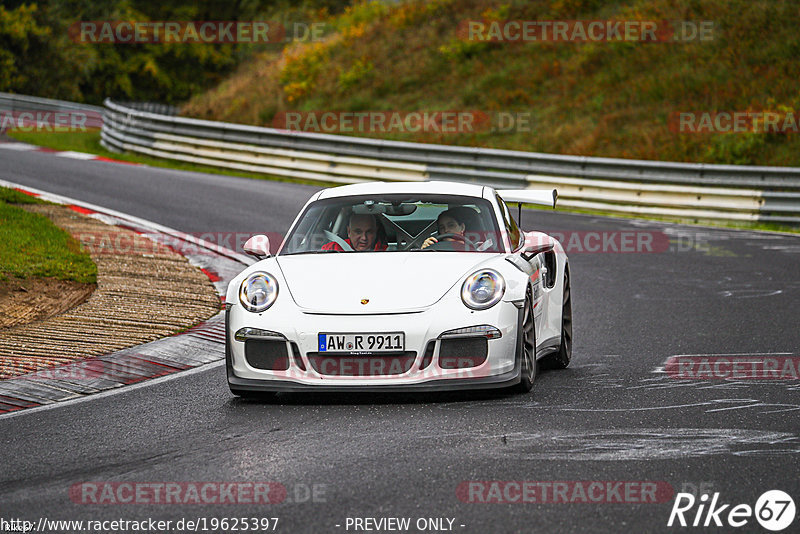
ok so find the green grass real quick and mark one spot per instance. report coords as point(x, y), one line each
point(76, 141)
point(12, 196)
point(34, 247)
point(89, 142)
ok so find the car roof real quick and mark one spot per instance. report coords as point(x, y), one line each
point(435, 187)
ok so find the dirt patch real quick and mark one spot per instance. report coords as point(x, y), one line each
point(143, 293)
point(34, 299)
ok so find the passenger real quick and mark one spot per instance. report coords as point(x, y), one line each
point(450, 221)
point(362, 235)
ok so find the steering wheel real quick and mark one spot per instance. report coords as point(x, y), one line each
point(457, 237)
point(338, 240)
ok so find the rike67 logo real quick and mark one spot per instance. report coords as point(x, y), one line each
point(774, 510)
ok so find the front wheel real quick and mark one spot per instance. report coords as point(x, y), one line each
point(526, 348)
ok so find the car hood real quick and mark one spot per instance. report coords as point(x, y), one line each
point(392, 282)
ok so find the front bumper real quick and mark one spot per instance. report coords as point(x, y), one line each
point(499, 370)
point(505, 380)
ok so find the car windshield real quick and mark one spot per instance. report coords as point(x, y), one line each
point(395, 223)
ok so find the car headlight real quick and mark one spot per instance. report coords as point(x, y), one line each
point(483, 289)
point(258, 292)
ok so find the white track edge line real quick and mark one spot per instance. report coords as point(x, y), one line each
point(113, 391)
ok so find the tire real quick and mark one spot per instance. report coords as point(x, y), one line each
point(561, 359)
point(526, 348)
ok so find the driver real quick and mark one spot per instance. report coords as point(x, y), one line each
point(449, 222)
point(362, 235)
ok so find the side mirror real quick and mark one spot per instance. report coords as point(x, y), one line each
point(533, 250)
point(536, 243)
point(257, 246)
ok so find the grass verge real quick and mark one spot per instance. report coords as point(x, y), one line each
point(89, 142)
point(34, 247)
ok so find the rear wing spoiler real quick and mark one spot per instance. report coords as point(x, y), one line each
point(544, 197)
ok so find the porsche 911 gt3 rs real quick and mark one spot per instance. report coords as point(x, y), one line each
point(401, 287)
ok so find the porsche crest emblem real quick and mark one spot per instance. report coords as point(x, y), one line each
point(364, 301)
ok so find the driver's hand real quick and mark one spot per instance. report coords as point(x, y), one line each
point(430, 241)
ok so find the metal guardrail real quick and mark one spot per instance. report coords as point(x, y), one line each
point(15, 102)
point(152, 107)
point(31, 110)
point(650, 188)
point(688, 190)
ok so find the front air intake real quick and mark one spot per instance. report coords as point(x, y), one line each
point(463, 353)
point(266, 354)
point(361, 365)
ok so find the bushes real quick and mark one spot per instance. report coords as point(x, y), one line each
point(596, 98)
point(39, 57)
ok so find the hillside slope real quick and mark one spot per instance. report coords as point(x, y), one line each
point(612, 99)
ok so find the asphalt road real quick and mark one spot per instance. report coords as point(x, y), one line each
point(612, 416)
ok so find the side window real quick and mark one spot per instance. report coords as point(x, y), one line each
point(514, 234)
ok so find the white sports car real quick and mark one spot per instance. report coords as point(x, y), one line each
point(401, 287)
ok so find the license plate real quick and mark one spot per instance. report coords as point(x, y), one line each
point(387, 342)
